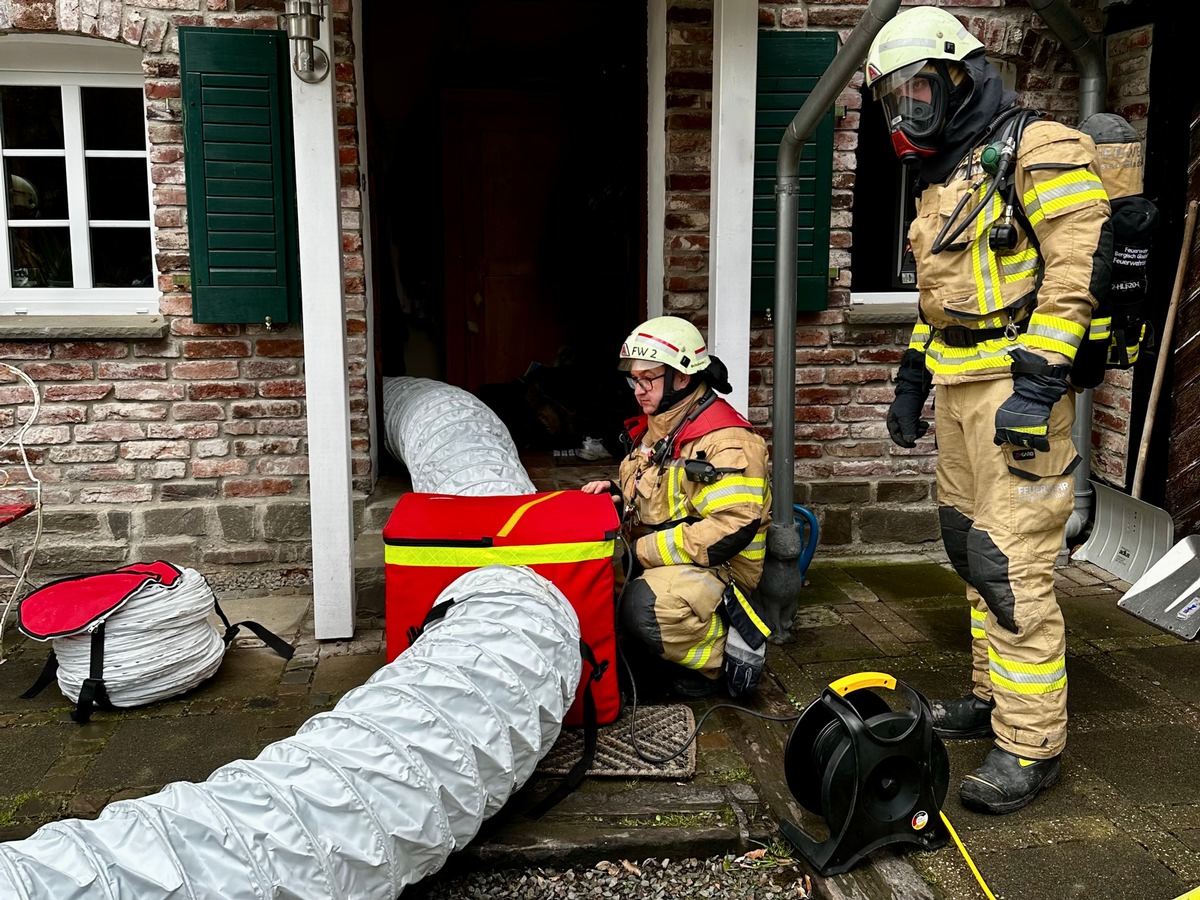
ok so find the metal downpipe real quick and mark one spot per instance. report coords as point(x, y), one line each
point(1093, 86)
point(780, 586)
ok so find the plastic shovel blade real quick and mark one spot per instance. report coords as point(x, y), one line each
point(1128, 536)
point(1168, 595)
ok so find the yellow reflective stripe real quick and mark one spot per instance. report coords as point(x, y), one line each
point(1054, 333)
point(756, 549)
point(475, 557)
point(701, 652)
point(730, 490)
point(677, 499)
point(1100, 328)
point(749, 610)
point(521, 510)
point(920, 337)
point(983, 260)
point(1027, 678)
point(1072, 188)
point(978, 617)
point(991, 354)
point(669, 543)
point(1015, 266)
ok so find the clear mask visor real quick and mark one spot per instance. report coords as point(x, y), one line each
point(912, 99)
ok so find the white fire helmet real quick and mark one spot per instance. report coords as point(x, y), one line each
point(665, 340)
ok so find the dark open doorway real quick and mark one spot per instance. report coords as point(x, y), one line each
point(507, 147)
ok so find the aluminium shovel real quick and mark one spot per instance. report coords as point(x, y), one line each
point(1129, 536)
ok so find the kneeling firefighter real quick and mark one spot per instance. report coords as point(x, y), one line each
point(1013, 247)
point(695, 494)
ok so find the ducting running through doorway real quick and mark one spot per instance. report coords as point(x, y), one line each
point(451, 442)
point(366, 799)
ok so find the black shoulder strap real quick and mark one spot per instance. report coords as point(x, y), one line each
point(590, 738)
point(92, 693)
point(268, 637)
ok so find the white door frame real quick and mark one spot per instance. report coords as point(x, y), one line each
point(731, 223)
point(327, 391)
point(656, 154)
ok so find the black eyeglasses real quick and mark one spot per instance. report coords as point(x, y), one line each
point(645, 384)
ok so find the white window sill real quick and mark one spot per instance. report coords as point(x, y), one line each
point(52, 328)
point(883, 312)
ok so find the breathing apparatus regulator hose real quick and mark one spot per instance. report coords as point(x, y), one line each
point(1014, 125)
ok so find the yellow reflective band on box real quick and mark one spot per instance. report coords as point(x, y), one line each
point(476, 557)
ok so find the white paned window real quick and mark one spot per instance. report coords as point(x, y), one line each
point(76, 229)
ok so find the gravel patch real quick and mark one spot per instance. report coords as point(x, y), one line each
point(759, 875)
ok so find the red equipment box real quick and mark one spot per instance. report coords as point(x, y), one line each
point(567, 537)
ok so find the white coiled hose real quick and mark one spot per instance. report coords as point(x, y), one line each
point(450, 440)
point(158, 643)
point(367, 798)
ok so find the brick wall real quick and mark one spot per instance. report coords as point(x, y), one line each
point(869, 494)
point(191, 448)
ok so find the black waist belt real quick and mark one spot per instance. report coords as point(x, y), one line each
point(962, 336)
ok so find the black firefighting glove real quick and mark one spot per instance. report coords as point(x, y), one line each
point(1023, 420)
point(913, 383)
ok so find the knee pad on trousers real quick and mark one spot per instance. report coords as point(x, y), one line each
point(954, 536)
point(989, 576)
point(637, 615)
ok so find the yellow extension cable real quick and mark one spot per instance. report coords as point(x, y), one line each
point(1193, 894)
point(967, 856)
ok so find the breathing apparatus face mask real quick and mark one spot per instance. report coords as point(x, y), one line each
point(915, 101)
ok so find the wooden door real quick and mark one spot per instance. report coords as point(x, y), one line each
point(504, 159)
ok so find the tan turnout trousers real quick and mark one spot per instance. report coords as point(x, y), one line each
point(1003, 510)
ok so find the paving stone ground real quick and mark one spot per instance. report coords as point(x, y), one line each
point(1124, 822)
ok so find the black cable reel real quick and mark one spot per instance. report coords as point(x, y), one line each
point(878, 776)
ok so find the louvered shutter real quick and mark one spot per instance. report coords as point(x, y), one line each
point(240, 170)
point(789, 65)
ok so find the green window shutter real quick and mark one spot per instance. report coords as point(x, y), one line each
point(240, 170)
point(789, 65)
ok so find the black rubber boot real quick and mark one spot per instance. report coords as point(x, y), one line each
point(962, 718)
point(694, 686)
point(1006, 782)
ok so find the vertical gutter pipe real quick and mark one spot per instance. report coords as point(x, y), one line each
point(1088, 52)
point(780, 586)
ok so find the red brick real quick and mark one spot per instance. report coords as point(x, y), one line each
point(296, 465)
point(53, 393)
point(156, 450)
point(202, 371)
point(142, 390)
point(110, 431)
point(165, 431)
point(290, 388)
point(268, 447)
point(263, 410)
point(129, 371)
point(40, 372)
point(258, 487)
point(133, 493)
point(198, 412)
point(277, 347)
point(219, 468)
point(107, 412)
point(60, 415)
point(114, 472)
point(235, 390)
point(261, 369)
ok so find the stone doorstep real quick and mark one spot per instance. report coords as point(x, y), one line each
point(611, 819)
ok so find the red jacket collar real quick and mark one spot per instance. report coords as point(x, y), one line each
point(719, 414)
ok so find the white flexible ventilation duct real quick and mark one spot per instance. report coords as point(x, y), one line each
point(365, 799)
point(451, 442)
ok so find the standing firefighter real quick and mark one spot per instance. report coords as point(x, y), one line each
point(1012, 245)
point(695, 486)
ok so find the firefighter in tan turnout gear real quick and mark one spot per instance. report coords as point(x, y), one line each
point(1012, 246)
point(695, 489)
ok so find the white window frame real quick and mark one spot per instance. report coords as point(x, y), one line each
point(29, 60)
